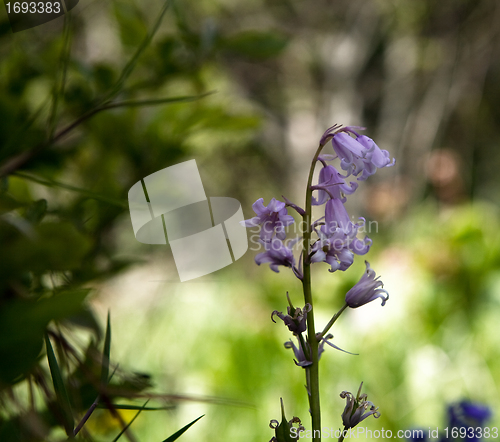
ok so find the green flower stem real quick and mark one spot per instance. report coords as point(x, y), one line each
point(341, 438)
point(332, 321)
point(312, 372)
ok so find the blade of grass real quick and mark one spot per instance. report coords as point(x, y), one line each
point(179, 433)
point(52, 183)
point(63, 69)
point(129, 67)
point(156, 102)
point(130, 423)
point(105, 354)
point(60, 389)
point(135, 407)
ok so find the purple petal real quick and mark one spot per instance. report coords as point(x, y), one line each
point(346, 146)
point(258, 207)
point(336, 214)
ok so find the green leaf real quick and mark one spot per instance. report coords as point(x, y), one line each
point(179, 433)
point(105, 354)
point(60, 389)
point(257, 45)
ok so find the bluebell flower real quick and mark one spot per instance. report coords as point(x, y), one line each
point(375, 158)
point(300, 357)
point(278, 254)
point(469, 416)
point(331, 184)
point(296, 318)
point(366, 290)
point(357, 408)
point(338, 240)
point(360, 155)
point(334, 250)
point(273, 218)
point(336, 217)
point(468, 413)
point(350, 153)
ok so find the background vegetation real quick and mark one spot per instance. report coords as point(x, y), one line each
point(90, 104)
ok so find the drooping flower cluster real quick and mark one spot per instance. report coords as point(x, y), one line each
point(337, 241)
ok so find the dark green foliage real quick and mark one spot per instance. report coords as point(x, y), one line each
point(22, 327)
point(75, 134)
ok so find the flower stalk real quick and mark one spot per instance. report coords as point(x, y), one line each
point(336, 243)
point(332, 321)
point(312, 372)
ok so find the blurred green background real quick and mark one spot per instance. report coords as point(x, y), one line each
point(422, 77)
